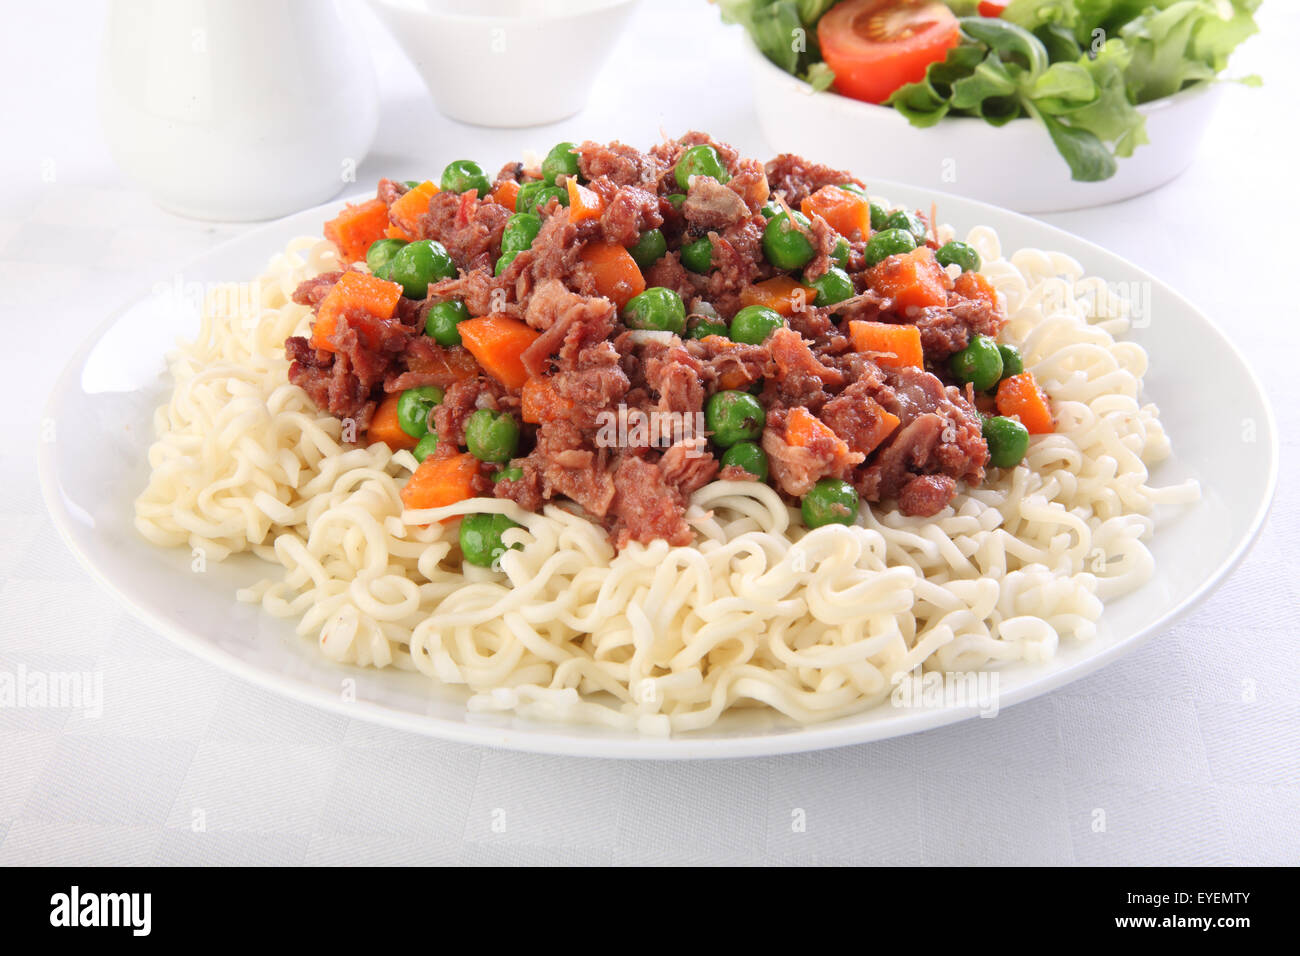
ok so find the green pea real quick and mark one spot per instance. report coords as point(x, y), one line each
point(656, 308)
point(441, 320)
point(840, 254)
point(770, 209)
point(979, 363)
point(419, 263)
point(521, 229)
point(1013, 363)
point(830, 501)
point(754, 323)
point(492, 436)
point(380, 255)
point(785, 246)
point(413, 408)
point(649, 248)
point(462, 176)
point(561, 160)
point(958, 254)
point(503, 263)
point(834, 286)
point(749, 456)
point(911, 222)
point(890, 242)
point(480, 538)
point(701, 160)
point(1008, 440)
point(426, 446)
point(879, 215)
point(538, 194)
point(410, 183)
point(676, 199)
point(508, 474)
point(703, 328)
point(698, 255)
point(734, 416)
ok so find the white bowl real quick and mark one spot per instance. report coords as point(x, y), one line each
point(506, 62)
point(1014, 166)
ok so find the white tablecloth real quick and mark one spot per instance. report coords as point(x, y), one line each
point(189, 765)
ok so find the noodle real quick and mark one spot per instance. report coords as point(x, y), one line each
point(760, 612)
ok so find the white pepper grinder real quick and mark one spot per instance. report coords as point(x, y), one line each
point(236, 110)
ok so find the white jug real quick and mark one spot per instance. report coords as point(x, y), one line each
point(236, 109)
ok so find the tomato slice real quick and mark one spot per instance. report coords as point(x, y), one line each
point(990, 8)
point(876, 46)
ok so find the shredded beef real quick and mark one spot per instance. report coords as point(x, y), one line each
point(459, 402)
point(468, 227)
point(796, 178)
point(621, 411)
point(619, 163)
point(711, 205)
point(311, 291)
point(796, 468)
point(800, 378)
point(926, 495)
point(645, 507)
point(630, 212)
point(390, 191)
point(568, 323)
point(939, 432)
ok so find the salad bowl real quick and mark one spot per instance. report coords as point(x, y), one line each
point(1015, 166)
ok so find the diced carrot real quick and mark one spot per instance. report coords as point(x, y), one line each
point(444, 365)
point(539, 402)
point(584, 203)
point(974, 286)
point(884, 426)
point(888, 345)
point(384, 426)
point(1020, 395)
point(506, 194)
point(354, 290)
point(406, 210)
point(781, 293)
point(910, 279)
point(614, 271)
point(803, 428)
point(847, 213)
point(356, 227)
point(441, 481)
point(498, 341)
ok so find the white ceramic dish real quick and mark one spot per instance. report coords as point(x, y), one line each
point(1013, 166)
point(107, 395)
point(506, 62)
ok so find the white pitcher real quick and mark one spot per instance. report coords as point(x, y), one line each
point(236, 109)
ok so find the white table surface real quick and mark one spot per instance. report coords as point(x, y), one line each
point(1188, 746)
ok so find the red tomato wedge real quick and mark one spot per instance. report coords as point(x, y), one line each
point(989, 8)
point(876, 46)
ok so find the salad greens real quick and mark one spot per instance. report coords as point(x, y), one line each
point(786, 33)
point(1081, 67)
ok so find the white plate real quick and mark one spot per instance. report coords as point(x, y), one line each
point(102, 411)
point(1015, 166)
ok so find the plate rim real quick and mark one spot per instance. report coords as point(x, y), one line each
point(555, 741)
